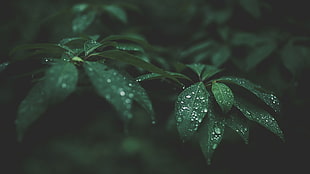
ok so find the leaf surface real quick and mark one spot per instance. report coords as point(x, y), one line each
point(190, 108)
point(223, 96)
point(240, 125)
point(259, 115)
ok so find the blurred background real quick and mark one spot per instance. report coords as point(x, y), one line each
point(263, 41)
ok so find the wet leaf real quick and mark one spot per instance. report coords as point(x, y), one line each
point(267, 97)
point(197, 68)
point(129, 38)
point(258, 115)
point(240, 125)
point(190, 108)
point(129, 47)
point(211, 134)
point(59, 82)
point(90, 46)
point(223, 96)
point(152, 76)
point(82, 21)
point(117, 88)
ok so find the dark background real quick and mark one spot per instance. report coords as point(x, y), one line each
point(85, 135)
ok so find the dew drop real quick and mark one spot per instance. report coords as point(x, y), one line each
point(188, 96)
point(131, 95)
point(214, 146)
point(205, 110)
point(122, 93)
point(63, 85)
point(109, 80)
point(217, 130)
point(130, 84)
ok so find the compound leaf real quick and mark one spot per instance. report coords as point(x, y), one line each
point(190, 108)
point(223, 96)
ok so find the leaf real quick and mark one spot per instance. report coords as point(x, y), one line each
point(204, 71)
point(90, 46)
point(240, 125)
point(211, 134)
point(251, 6)
point(196, 48)
point(209, 72)
point(258, 115)
point(116, 12)
point(294, 57)
point(132, 60)
point(197, 68)
point(221, 56)
point(190, 108)
point(129, 47)
point(258, 54)
point(151, 76)
point(128, 37)
point(223, 96)
point(41, 46)
point(78, 8)
point(267, 97)
point(117, 89)
point(30, 109)
point(82, 21)
point(59, 82)
point(3, 66)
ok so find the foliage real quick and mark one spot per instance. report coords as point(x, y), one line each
point(194, 66)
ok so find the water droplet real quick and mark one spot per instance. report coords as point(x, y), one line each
point(205, 110)
point(217, 130)
point(214, 146)
point(130, 84)
point(179, 119)
point(153, 122)
point(90, 69)
point(122, 93)
point(127, 101)
point(109, 80)
point(188, 96)
point(131, 95)
point(63, 85)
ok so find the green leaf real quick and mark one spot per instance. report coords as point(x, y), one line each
point(82, 21)
point(190, 108)
point(211, 134)
point(267, 97)
point(129, 47)
point(204, 71)
point(59, 82)
point(209, 72)
point(258, 115)
point(132, 60)
point(116, 12)
point(128, 37)
point(221, 56)
point(251, 6)
point(197, 68)
point(30, 109)
point(117, 88)
point(240, 125)
point(41, 46)
point(78, 8)
point(196, 48)
point(258, 54)
point(151, 76)
point(294, 57)
point(223, 96)
point(90, 46)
